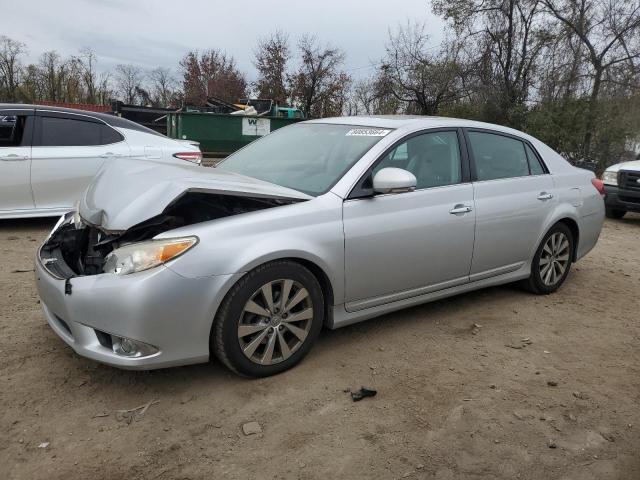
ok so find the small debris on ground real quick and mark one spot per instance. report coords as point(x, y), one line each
point(22, 270)
point(132, 414)
point(101, 415)
point(522, 343)
point(552, 444)
point(362, 393)
point(475, 328)
point(552, 383)
point(581, 396)
point(251, 428)
point(44, 445)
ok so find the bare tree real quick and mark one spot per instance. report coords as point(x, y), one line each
point(53, 75)
point(271, 57)
point(86, 63)
point(505, 38)
point(10, 66)
point(104, 91)
point(212, 73)
point(128, 82)
point(318, 85)
point(609, 33)
point(163, 86)
point(421, 79)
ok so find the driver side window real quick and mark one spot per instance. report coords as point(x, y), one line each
point(434, 159)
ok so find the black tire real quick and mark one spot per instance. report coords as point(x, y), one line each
point(535, 282)
point(225, 342)
point(614, 213)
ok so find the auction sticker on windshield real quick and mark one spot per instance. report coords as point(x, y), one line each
point(367, 132)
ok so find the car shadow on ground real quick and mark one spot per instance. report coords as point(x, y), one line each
point(332, 345)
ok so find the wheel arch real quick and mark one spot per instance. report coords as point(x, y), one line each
point(572, 225)
point(316, 270)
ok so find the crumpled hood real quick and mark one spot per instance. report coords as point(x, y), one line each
point(125, 192)
point(631, 165)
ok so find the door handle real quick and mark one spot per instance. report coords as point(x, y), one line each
point(545, 196)
point(460, 208)
point(12, 157)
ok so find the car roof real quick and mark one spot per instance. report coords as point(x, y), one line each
point(414, 122)
point(112, 120)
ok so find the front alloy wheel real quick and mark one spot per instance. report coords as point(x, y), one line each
point(275, 321)
point(269, 320)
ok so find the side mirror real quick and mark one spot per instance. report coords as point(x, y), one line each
point(394, 180)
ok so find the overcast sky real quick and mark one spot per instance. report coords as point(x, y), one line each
point(154, 33)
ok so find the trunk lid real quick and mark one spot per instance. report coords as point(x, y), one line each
point(125, 193)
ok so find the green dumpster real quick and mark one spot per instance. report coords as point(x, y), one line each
point(222, 134)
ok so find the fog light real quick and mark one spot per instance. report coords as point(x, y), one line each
point(127, 347)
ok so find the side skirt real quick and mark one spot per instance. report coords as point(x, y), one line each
point(342, 317)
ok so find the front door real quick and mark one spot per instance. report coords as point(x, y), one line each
point(16, 127)
point(403, 245)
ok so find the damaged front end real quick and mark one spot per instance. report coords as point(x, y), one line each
point(76, 248)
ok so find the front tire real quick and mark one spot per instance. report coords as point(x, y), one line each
point(613, 213)
point(552, 261)
point(269, 320)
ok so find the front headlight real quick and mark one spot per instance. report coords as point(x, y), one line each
point(137, 257)
point(610, 178)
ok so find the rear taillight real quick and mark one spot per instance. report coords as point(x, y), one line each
point(599, 184)
point(195, 157)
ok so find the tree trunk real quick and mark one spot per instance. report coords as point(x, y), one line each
point(591, 112)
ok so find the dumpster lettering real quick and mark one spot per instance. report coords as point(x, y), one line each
point(256, 126)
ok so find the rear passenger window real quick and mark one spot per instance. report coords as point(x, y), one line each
point(109, 135)
point(497, 156)
point(67, 132)
point(534, 162)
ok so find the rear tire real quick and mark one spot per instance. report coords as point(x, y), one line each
point(552, 261)
point(269, 320)
point(614, 213)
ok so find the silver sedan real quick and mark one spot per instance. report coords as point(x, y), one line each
point(324, 223)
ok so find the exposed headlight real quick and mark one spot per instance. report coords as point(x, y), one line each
point(137, 257)
point(610, 178)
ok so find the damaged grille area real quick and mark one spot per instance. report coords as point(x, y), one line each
point(79, 251)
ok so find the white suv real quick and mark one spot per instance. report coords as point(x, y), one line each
point(49, 155)
point(622, 188)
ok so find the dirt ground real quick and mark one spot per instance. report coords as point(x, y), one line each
point(560, 371)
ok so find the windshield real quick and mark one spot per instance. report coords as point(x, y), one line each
point(308, 157)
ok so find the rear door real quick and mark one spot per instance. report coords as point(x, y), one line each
point(16, 129)
point(513, 196)
point(68, 150)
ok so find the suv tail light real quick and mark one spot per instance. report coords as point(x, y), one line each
point(194, 157)
point(599, 184)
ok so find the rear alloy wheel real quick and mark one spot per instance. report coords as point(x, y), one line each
point(552, 261)
point(269, 320)
point(613, 213)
